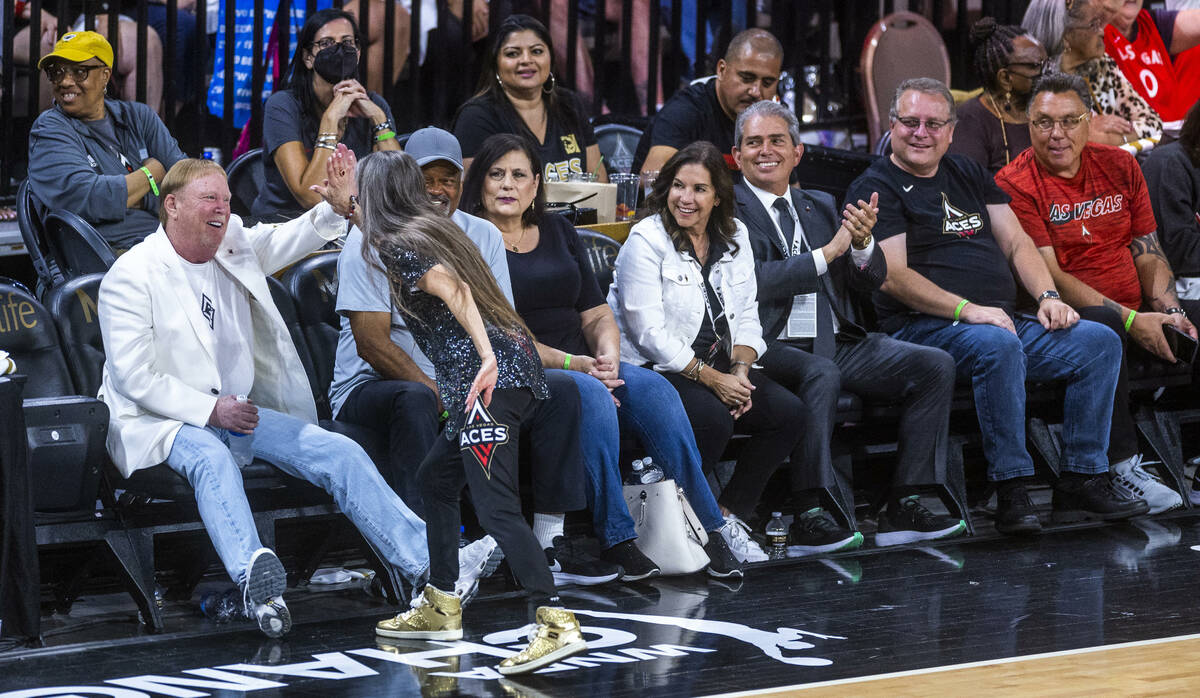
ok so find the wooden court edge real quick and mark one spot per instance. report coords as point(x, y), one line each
point(1164, 671)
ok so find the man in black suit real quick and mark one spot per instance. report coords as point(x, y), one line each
point(808, 265)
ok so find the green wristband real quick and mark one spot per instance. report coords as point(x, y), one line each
point(149, 176)
point(567, 363)
point(444, 415)
point(1129, 320)
point(958, 311)
point(383, 136)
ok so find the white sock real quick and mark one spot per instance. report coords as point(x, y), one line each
point(1122, 465)
point(547, 527)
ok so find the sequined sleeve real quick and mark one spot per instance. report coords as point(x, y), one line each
point(407, 267)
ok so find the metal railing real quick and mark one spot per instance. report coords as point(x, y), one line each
point(822, 37)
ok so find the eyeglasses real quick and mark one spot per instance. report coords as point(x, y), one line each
point(1068, 123)
point(1040, 66)
point(933, 126)
point(322, 44)
point(79, 73)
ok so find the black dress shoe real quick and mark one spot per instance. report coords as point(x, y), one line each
point(1093, 497)
point(1015, 514)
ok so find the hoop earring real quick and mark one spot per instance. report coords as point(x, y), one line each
point(552, 84)
point(498, 81)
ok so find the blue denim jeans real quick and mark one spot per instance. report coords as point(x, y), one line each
point(997, 363)
point(330, 461)
point(650, 409)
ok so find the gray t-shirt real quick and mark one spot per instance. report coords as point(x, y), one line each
point(364, 287)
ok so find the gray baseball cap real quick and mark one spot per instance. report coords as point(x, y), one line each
point(431, 144)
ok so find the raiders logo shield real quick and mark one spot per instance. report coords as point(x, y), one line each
point(482, 434)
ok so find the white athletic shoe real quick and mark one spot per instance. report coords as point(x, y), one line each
point(475, 560)
point(737, 536)
point(1129, 477)
point(262, 593)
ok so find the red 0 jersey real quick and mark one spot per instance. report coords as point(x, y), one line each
point(1146, 63)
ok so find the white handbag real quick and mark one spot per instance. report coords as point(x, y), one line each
point(669, 532)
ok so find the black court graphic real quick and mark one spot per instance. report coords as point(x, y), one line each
point(482, 434)
point(955, 221)
point(207, 309)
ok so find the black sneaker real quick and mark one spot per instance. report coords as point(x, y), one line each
point(1015, 514)
point(814, 532)
point(569, 565)
point(1080, 498)
point(721, 562)
point(633, 563)
point(910, 521)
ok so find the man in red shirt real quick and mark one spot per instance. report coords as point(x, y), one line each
point(1086, 207)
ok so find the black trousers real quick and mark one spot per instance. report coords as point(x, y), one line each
point(1122, 439)
point(878, 367)
point(485, 460)
point(772, 424)
point(406, 412)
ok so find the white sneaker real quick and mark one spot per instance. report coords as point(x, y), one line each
point(1129, 477)
point(475, 560)
point(262, 593)
point(737, 536)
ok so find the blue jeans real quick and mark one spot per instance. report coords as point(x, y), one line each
point(997, 363)
point(330, 461)
point(651, 409)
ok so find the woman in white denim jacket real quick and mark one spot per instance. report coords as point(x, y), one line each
point(685, 299)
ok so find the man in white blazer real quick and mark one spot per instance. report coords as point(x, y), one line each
point(188, 325)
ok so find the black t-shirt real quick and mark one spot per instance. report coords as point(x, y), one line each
point(552, 284)
point(692, 114)
point(949, 232)
point(284, 121)
point(563, 151)
point(710, 341)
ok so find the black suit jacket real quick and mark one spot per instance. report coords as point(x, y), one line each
point(781, 277)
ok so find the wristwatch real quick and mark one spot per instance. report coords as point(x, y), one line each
point(1050, 293)
point(1175, 310)
point(865, 243)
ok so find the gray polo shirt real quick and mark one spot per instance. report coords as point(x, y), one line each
point(364, 287)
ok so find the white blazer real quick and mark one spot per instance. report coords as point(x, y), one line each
point(160, 369)
point(657, 300)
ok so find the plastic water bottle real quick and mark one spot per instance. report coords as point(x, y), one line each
point(241, 445)
point(777, 537)
point(221, 607)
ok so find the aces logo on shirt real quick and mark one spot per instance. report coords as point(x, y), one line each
point(955, 221)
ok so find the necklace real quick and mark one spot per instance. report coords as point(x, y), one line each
point(1003, 131)
point(514, 245)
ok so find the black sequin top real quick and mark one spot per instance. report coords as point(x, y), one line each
point(449, 347)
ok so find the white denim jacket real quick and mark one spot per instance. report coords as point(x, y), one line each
point(658, 303)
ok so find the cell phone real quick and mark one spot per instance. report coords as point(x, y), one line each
point(1181, 343)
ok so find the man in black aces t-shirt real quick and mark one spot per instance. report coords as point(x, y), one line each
point(950, 241)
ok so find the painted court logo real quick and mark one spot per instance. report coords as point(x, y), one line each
point(482, 434)
point(955, 221)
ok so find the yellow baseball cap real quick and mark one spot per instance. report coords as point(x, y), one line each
point(77, 47)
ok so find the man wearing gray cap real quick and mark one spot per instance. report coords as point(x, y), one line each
point(382, 381)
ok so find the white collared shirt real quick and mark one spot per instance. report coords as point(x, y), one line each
point(860, 257)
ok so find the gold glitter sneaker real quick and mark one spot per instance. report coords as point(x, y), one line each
point(436, 615)
point(556, 636)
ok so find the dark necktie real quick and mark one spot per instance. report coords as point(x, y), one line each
point(823, 344)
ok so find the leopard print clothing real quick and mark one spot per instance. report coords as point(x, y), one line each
point(1113, 94)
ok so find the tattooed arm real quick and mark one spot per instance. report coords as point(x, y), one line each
point(1158, 281)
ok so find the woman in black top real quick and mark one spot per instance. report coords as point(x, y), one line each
point(488, 372)
point(324, 104)
point(518, 93)
point(556, 293)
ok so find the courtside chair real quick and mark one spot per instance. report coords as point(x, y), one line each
point(900, 46)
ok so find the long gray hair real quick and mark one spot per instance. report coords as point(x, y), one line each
point(1046, 21)
point(398, 214)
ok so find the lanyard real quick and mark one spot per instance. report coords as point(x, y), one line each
point(712, 350)
point(798, 244)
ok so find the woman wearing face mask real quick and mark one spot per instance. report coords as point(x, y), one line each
point(992, 128)
point(324, 104)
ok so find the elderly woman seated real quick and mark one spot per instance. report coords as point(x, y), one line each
point(99, 158)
